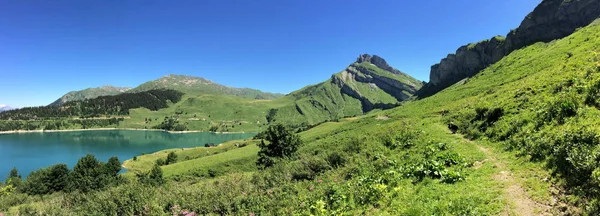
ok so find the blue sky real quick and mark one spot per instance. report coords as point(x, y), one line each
point(48, 48)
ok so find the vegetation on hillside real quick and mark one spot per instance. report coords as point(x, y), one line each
point(89, 93)
point(98, 109)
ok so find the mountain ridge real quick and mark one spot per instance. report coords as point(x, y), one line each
point(89, 93)
point(368, 83)
point(199, 85)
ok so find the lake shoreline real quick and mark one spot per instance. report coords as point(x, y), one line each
point(106, 129)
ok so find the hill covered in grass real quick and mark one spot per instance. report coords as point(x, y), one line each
point(200, 86)
point(89, 93)
point(367, 84)
point(550, 20)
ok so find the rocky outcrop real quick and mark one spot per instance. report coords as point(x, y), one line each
point(551, 19)
point(377, 61)
point(382, 78)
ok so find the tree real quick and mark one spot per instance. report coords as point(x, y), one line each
point(160, 162)
point(86, 174)
point(154, 177)
point(171, 158)
point(47, 180)
point(113, 167)
point(14, 179)
point(283, 143)
point(58, 178)
point(14, 173)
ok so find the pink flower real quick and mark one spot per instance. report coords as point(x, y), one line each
point(251, 214)
point(320, 181)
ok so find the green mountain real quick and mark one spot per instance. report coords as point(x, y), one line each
point(89, 93)
point(198, 86)
point(367, 84)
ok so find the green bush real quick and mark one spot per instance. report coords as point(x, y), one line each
point(171, 158)
point(283, 143)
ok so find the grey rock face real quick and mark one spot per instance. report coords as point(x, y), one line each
point(377, 61)
point(550, 20)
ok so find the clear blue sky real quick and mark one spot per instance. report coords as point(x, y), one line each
point(48, 48)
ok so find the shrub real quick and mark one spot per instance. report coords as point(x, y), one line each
point(336, 159)
point(171, 158)
point(160, 162)
point(212, 173)
point(154, 177)
point(283, 143)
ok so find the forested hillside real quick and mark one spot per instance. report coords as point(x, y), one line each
point(89, 93)
point(98, 112)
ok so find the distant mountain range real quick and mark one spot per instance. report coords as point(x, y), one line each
point(186, 84)
point(4, 107)
point(367, 84)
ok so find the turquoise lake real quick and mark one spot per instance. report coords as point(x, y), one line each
point(31, 151)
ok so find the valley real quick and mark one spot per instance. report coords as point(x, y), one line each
point(505, 126)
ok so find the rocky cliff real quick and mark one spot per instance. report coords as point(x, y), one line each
point(550, 20)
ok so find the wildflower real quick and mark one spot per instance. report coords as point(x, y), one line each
point(301, 205)
point(251, 214)
point(320, 181)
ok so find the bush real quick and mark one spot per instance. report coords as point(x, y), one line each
point(336, 159)
point(283, 143)
point(403, 139)
point(154, 177)
point(171, 158)
point(160, 162)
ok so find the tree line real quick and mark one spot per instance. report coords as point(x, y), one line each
point(89, 174)
point(59, 124)
point(97, 107)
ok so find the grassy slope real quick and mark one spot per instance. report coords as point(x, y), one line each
point(540, 67)
point(195, 162)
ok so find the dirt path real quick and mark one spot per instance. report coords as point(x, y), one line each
point(521, 203)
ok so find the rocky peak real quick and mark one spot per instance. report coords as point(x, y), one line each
point(377, 61)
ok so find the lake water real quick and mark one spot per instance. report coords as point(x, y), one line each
point(31, 151)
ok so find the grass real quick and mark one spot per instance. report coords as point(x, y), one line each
point(195, 162)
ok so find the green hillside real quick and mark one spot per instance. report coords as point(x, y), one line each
point(360, 88)
point(533, 123)
point(89, 93)
point(201, 86)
